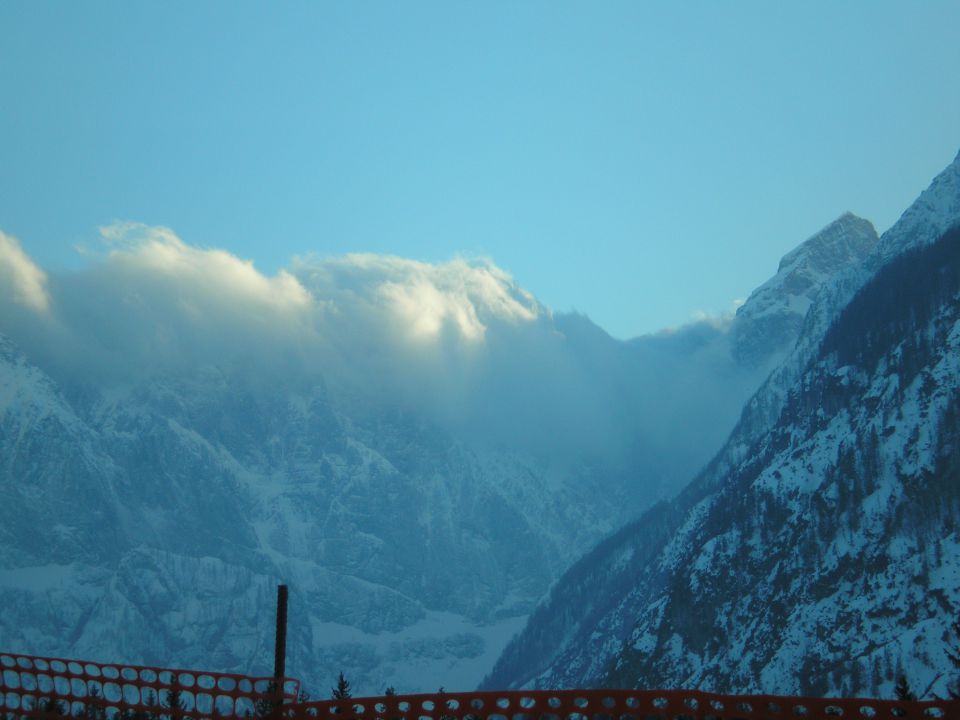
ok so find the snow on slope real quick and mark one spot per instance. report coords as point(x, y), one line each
point(177, 524)
point(572, 638)
point(828, 564)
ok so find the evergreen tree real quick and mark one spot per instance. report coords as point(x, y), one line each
point(341, 692)
point(45, 708)
point(390, 692)
point(149, 699)
point(903, 691)
point(93, 708)
point(267, 701)
point(174, 700)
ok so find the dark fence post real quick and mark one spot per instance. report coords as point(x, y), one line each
point(280, 645)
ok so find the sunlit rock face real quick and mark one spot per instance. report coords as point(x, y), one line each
point(817, 552)
point(419, 451)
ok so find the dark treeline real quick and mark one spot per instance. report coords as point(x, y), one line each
point(896, 306)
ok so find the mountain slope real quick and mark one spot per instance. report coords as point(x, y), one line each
point(645, 569)
point(406, 550)
point(830, 562)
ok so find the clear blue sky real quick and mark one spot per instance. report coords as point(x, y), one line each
point(637, 161)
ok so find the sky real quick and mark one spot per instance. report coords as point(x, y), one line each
point(639, 162)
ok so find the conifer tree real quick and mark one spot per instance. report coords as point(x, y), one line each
point(267, 701)
point(149, 699)
point(903, 691)
point(342, 690)
point(93, 708)
point(390, 692)
point(174, 700)
point(49, 706)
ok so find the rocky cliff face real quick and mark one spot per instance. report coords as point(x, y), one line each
point(813, 532)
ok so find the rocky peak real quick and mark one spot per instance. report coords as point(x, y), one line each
point(846, 240)
point(768, 323)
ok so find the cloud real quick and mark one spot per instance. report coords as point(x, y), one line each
point(143, 250)
point(426, 300)
point(20, 279)
point(149, 304)
point(460, 343)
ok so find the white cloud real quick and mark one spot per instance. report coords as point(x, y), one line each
point(425, 300)
point(158, 251)
point(148, 302)
point(25, 283)
point(460, 342)
point(382, 296)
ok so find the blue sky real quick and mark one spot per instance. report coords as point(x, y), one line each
point(638, 161)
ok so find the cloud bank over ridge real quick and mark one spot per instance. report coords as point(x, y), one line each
point(148, 293)
point(460, 340)
point(459, 343)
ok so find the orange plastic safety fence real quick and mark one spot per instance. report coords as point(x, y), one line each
point(613, 705)
point(29, 684)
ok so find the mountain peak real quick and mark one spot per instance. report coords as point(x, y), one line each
point(771, 317)
point(848, 238)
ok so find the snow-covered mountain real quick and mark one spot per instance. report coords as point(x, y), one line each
point(697, 378)
point(774, 313)
point(418, 451)
point(818, 552)
point(155, 527)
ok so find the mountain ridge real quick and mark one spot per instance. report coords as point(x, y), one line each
point(561, 647)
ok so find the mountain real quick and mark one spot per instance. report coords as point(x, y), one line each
point(828, 564)
point(698, 377)
point(172, 514)
point(774, 313)
point(817, 553)
point(418, 451)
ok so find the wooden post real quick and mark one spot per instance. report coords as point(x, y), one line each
point(280, 645)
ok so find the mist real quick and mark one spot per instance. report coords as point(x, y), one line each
point(459, 343)
point(418, 449)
